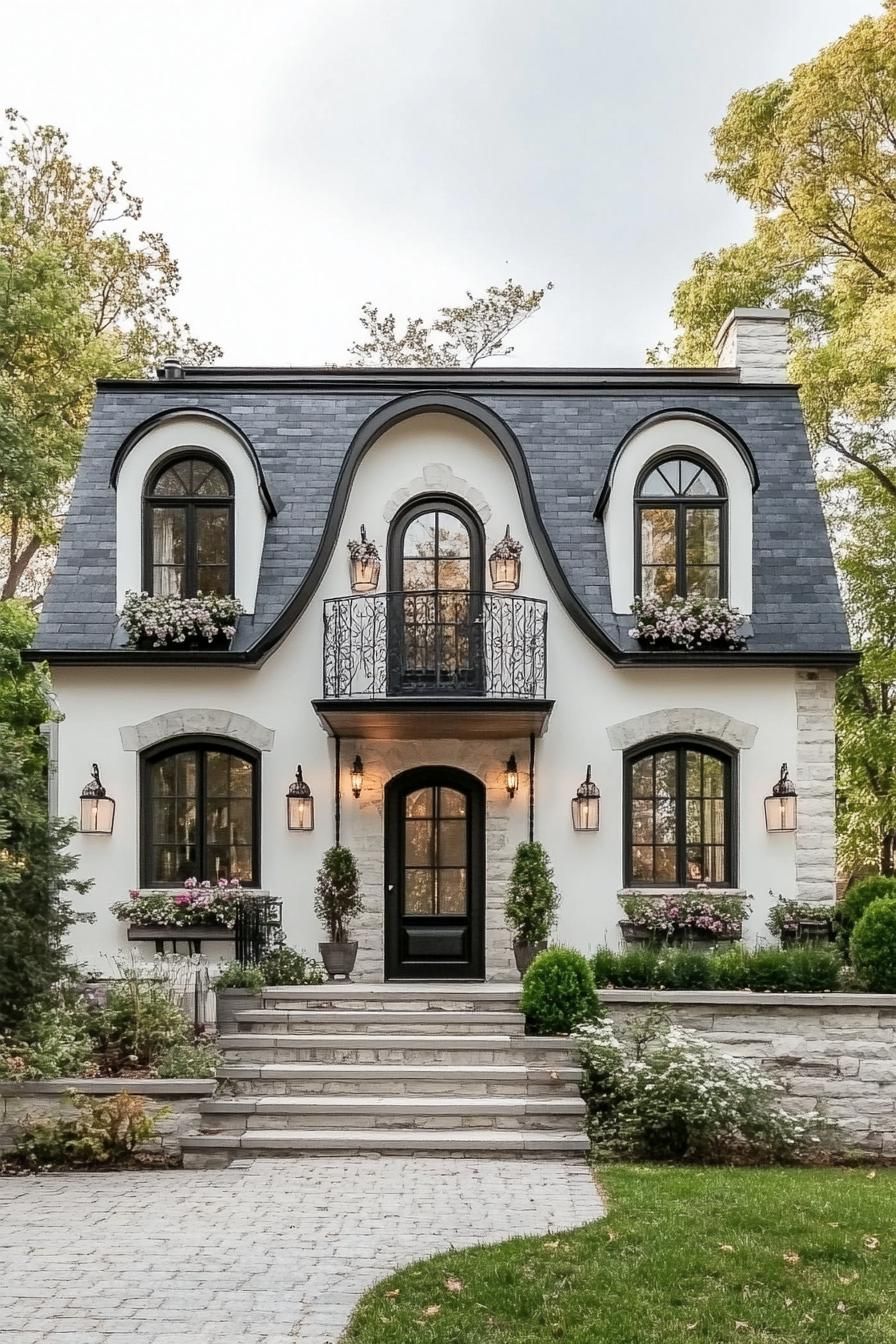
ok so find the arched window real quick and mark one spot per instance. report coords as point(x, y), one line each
point(679, 811)
point(188, 528)
point(436, 573)
point(680, 530)
point(199, 813)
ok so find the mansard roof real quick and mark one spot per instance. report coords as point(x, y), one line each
point(559, 430)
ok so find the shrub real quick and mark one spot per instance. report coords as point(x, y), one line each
point(558, 992)
point(873, 946)
point(661, 1093)
point(603, 967)
point(139, 1023)
point(52, 1042)
point(103, 1131)
point(857, 900)
point(813, 969)
point(285, 966)
point(190, 1059)
point(636, 968)
point(532, 897)
point(681, 969)
point(337, 898)
point(234, 976)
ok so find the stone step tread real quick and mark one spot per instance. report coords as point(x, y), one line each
point(432, 1072)
point(256, 1040)
point(471, 991)
point(376, 1140)
point(388, 1016)
point(399, 1105)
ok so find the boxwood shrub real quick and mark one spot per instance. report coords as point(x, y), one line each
point(807, 969)
point(558, 992)
point(873, 947)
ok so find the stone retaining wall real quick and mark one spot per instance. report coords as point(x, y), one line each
point(35, 1100)
point(835, 1053)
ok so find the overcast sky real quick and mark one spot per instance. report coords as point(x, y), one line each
point(302, 157)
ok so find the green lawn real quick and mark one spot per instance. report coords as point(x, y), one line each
point(692, 1254)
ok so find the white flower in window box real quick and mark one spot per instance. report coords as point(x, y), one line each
point(687, 623)
point(205, 621)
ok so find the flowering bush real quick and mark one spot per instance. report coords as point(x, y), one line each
point(668, 916)
point(166, 621)
point(660, 1092)
point(198, 903)
point(785, 916)
point(53, 1041)
point(687, 622)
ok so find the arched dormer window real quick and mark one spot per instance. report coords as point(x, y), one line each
point(680, 529)
point(188, 527)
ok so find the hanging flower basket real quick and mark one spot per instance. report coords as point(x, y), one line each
point(201, 622)
point(686, 623)
point(504, 564)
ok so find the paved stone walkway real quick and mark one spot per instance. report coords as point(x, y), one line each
point(267, 1252)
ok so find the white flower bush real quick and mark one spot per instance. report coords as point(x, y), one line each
point(164, 622)
point(687, 622)
point(661, 1092)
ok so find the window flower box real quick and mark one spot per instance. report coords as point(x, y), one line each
point(200, 905)
point(696, 919)
point(686, 623)
point(801, 922)
point(205, 621)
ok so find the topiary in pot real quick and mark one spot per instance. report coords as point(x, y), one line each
point(873, 946)
point(337, 902)
point(558, 992)
point(531, 905)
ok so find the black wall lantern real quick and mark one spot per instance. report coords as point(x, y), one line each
point(780, 805)
point(299, 804)
point(364, 561)
point(97, 811)
point(586, 805)
point(357, 776)
point(511, 775)
point(504, 564)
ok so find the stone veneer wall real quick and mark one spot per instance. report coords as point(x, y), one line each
point(362, 832)
point(814, 779)
point(835, 1053)
point(35, 1100)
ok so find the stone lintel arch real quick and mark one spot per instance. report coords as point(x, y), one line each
point(190, 722)
point(710, 723)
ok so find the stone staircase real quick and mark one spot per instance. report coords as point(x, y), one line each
point(389, 1068)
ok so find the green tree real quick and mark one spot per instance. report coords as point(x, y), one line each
point(462, 335)
point(85, 293)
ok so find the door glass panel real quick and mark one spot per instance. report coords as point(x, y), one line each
point(452, 803)
point(418, 891)
point(418, 837)
point(436, 841)
point(419, 803)
point(452, 844)
point(452, 891)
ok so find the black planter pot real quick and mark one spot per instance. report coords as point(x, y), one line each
point(525, 953)
point(193, 644)
point(339, 958)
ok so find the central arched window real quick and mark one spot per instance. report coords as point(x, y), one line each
point(679, 810)
point(188, 528)
point(199, 813)
point(436, 575)
point(680, 544)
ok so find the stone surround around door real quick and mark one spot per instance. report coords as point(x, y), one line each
point(266, 1252)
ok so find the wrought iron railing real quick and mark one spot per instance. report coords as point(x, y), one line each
point(258, 926)
point(435, 643)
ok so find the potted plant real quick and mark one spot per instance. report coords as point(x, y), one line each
point(531, 905)
point(698, 918)
point(686, 623)
point(801, 921)
point(337, 902)
point(205, 621)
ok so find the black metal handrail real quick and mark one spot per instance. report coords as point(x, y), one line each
point(428, 642)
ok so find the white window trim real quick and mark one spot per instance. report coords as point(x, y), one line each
point(619, 516)
point(249, 522)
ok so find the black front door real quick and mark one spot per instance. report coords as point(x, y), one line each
point(435, 876)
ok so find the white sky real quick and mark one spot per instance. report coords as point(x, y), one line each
point(303, 157)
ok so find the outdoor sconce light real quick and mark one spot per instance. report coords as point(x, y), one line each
point(97, 811)
point(504, 564)
point(780, 805)
point(364, 560)
point(299, 805)
point(586, 805)
point(357, 776)
point(511, 776)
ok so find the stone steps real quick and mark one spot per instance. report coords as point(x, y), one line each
point(217, 1149)
point(417, 1048)
point(400, 1079)
point(379, 1020)
point(453, 995)
point(387, 1112)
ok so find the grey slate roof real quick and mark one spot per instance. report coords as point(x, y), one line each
point(301, 428)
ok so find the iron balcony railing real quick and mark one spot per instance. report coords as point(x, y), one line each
point(435, 643)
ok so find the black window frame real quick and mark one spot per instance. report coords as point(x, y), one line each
point(191, 504)
point(436, 503)
point(682, 745)
point(202, 744)
point(681, 504)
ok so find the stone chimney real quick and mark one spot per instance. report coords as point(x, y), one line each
point(755, 341)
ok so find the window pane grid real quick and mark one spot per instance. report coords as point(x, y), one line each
point(189, 522)
point(679, 532)
point(677, 808)
point(435, 852)
point(199, 818)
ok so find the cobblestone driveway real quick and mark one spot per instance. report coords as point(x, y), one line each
point(267, 1253)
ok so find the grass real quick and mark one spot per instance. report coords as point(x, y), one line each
point(692, 1254)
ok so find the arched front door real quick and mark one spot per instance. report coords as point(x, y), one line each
point(435, 875)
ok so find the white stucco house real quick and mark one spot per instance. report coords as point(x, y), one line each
point(439, 721)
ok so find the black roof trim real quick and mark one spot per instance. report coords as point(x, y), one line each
point(183, 412)
point(682, 413)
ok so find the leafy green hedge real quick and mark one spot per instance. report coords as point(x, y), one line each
point(808, 969)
